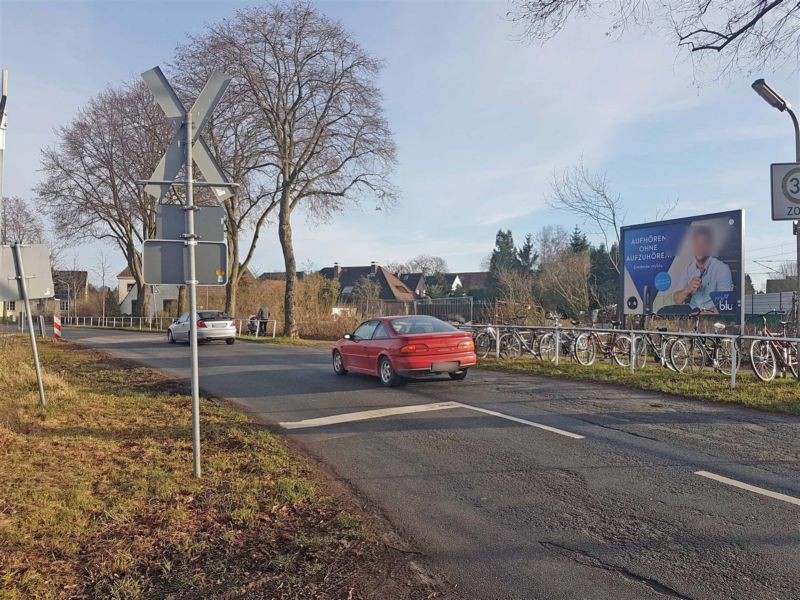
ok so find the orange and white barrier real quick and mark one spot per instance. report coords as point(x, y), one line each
point(56, 327)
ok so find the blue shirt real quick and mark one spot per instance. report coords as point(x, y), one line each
point(716, 277)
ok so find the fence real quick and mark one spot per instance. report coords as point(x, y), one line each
point(736, 340)
point(457, 309)
point(162, 323)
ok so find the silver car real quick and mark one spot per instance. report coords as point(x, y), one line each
point(211, 325)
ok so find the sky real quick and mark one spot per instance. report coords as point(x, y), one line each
point(482, 121)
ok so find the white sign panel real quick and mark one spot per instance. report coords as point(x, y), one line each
point(785, 191)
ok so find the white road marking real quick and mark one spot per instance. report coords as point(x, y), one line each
point(749, 488)
point(414, 408)
point(368, 414)
point(568, 434)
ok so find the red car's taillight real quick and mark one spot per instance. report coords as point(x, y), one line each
point(413, 348)
point(467, 346)
point(201, 323)
point(233, 322)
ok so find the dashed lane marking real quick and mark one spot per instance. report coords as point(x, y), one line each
point(749, 488)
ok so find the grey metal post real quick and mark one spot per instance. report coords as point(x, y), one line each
point(633, 352)
point(734, 350)
point(3, 126)
point(558, 344)
point(23, 286)
point(796, 228)
point(191, 243)
point(497, 342)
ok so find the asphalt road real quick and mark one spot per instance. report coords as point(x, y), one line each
point(507, 509)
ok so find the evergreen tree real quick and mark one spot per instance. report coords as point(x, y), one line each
point(504, 258)
point(577, 241)
point(527, 255)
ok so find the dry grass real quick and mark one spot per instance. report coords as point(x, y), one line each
point(780, 395)
point(97, 498)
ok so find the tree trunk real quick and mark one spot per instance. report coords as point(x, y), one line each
point(182, 301)
point(143, 298)
point(285, 236)
point(234, 274)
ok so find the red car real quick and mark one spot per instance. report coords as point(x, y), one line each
point(397, 347)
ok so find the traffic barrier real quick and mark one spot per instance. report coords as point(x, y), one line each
point(56, 327)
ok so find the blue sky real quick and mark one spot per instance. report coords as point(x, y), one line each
point(481, 120)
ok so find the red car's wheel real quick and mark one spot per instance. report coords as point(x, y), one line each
point(338, 363)
point(458, 375)
point(388, 375)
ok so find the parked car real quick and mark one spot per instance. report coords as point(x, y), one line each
point(394, 348)
point(211, 325)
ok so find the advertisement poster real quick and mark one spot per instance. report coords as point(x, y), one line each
point(684, 266)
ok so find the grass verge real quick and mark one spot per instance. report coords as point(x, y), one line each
point(780, 395)
point(97, 499)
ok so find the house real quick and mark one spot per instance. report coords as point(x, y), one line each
point(445, 283)
point(391, 288)
point(70, 288)
point(474, 280)
point(165, 297)
point(415, 282)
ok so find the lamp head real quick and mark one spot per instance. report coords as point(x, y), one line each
point(772, 97)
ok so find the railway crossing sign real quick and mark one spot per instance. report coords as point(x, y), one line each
point(785, 191)
point(176, 155)
point(193, 250)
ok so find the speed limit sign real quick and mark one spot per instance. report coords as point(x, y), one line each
point(785, 191)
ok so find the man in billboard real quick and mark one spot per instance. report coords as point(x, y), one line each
point(703, 275)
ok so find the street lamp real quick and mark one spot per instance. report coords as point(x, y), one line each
point(774, 99)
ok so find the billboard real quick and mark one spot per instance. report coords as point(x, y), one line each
point(684, 266)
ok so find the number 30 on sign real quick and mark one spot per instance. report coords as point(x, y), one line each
point(785, 191)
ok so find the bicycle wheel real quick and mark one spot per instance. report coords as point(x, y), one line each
point(725, 356)
point(510, 346)
point(621, 351)
point(585, 349)
point(678, 355)
point(484, 344)
point(547, 347)
point(762, 360)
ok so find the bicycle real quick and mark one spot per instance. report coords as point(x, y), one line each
point(716, 352)
point(615, 346)
point(661, 346)
point(566, 341)
point(514, 343)
point(767, 355)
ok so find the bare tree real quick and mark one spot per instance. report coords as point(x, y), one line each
point(566, 278)
point(745, 34)
point(21, 224)
point(312, 94)
point(102, 269)
point(588, 196)
point(89, 175)
point(367, 295)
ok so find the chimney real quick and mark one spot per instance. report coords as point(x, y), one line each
point(337, 270)
point(374, 266)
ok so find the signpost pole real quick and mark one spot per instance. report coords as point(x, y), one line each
point(23, 287)
point(796, 227)
point(191, 243)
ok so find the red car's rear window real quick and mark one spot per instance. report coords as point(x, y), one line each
point(420, 325)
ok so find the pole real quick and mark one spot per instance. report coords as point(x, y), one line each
point(796, 228)
point(3, 127)
point(191, 244)
point(23, 288)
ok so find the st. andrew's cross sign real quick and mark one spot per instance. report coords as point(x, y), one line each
point(176, 259)
point(175, 157)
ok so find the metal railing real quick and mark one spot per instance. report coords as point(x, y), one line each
point(161, 324)
point(736, 340)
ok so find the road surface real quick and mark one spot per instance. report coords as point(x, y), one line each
point(525, 488)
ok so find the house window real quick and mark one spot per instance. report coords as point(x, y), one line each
point(63, 305)
point(11, 305)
